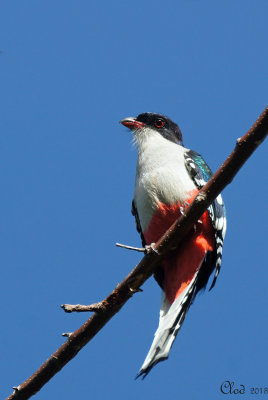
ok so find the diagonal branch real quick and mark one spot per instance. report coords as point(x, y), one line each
point(107, 308)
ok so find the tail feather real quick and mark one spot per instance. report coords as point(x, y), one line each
point(171, 319)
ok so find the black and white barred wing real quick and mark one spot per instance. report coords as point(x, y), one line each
point(200, 174)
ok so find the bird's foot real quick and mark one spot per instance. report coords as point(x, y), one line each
point(183, 207)
point(151, 248)
point(182, 210)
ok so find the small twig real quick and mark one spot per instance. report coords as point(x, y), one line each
point(145, 250)
point(67, 334)
point(136, 290)
point(81, 308)
point(124, 246)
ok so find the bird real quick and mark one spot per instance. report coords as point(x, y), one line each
point(168, 178)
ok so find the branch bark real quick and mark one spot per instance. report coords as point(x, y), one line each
point(245, 146)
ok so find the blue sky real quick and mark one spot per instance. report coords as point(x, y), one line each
point(70, 70)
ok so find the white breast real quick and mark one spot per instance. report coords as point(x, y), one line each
point(161, 175)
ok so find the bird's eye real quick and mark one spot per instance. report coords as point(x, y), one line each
point(159, 123)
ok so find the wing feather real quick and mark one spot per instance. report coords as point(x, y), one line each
point(200, 173)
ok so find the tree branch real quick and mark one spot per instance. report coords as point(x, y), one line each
point(245, 146)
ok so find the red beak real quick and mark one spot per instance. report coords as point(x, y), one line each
point(132, 123)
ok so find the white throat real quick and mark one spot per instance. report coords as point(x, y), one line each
point(161, 176)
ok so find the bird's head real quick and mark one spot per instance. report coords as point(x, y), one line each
point(151, 122)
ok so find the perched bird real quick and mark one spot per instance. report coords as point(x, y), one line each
point(168, 177)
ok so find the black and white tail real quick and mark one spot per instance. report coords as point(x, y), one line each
point(171, 319)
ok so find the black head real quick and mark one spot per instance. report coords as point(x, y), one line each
point(160, 123)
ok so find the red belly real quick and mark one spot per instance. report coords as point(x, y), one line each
point(180, 268)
